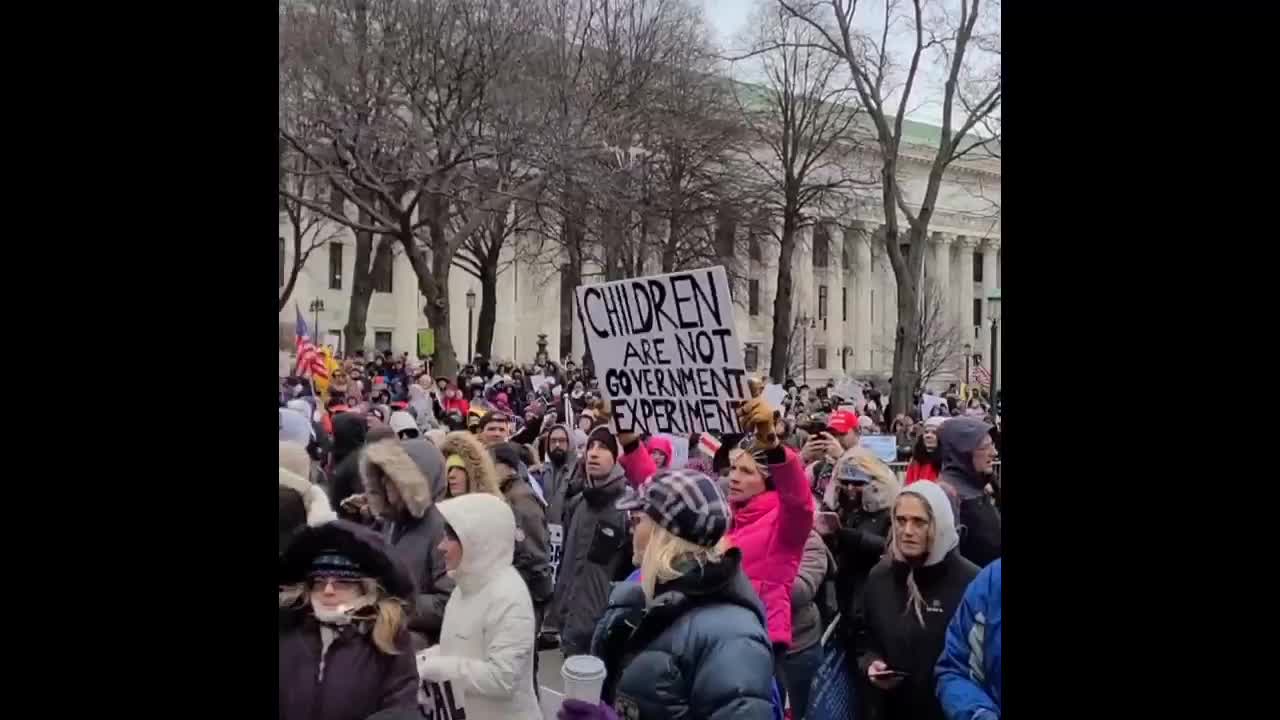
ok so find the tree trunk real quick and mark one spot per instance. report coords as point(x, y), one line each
point(613, 258)
point(358, 309)
point(782, 304)
point(361, 291)
point(906, 339)
point(488, 310)
point(571, 273)
point(669, 248)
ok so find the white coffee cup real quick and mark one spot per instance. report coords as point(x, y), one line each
point(583, 677)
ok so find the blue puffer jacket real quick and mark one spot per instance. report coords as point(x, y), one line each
point(700, 650)
point(968, 672)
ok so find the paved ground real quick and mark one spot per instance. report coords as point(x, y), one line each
point(550, 681)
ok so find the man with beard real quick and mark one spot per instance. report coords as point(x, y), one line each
point(968, 454)
point(597, 537)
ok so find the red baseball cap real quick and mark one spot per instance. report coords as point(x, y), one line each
point(842, 421)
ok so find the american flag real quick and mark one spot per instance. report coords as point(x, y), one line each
point(310, 359)
point(982, 376)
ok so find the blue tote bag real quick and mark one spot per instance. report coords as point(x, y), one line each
point(832, 696)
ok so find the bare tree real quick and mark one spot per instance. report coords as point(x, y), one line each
point(958, 40)
point(308, 230)
point(940, 340)
point(604, 66)
point(805, 118)
point(398, 90)
point(796, 359)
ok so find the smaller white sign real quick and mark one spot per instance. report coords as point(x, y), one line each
point(679, 450)
point(928, 403)
point(884, 447)
point(775, 395)
point(555, 533)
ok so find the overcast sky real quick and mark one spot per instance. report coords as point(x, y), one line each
point(729, 18)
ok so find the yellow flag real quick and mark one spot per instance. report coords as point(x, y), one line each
point(322, 383)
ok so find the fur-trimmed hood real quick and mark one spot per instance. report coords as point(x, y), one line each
point(313, 497)
point(415, 466)
point(482, 475)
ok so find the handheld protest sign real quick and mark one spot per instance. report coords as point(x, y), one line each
point(884, 447)
point(666, 351)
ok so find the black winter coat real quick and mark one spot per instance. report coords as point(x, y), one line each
point(978, 520)
point(597, 552)
point(858, 545)
point(884, 632)
point(358, 679)
point(699, 651)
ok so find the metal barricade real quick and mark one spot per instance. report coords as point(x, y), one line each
point(900, 469)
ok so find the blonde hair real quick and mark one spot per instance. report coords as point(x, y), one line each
point(915, 601)
point(882, 477)
point(390, 611)
point(666, 556)
point(753, 466)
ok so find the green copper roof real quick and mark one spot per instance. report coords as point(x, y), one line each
point(756, 97)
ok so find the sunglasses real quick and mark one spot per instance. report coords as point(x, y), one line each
point(321, 583)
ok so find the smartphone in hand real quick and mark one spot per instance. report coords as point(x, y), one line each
point(827, 523)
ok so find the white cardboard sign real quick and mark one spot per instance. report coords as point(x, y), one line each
point(666, 351)
point(679, 450)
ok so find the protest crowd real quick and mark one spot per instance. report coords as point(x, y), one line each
point(837, 559)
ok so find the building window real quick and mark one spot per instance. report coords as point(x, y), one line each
point(977, 267)
point(977, 312)
point(337, 202)
point(382, 281)
point(821, 245)
point(281, 261)
point(822, 357)
point(822, 302)
point(873, 303)
point(726, 230)
point(844, 304)
point(844, 359)
point(382, 340)
point(753, 248)
point(750, 356)
point(335, 266)
point(753, 296)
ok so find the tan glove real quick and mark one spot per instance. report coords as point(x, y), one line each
point(757, 415)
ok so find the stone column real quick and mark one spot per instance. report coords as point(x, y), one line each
point(989, 283)
point(860, 314)
point(404, 292)
point(939, 270)
point(964, 279)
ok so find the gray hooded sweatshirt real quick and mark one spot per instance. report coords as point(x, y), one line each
point(416, 468)
point(957, 439)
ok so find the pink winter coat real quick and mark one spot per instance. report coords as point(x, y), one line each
point(662, 445)
point(637, 464)
point(771, 529)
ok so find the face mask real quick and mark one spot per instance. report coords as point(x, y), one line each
point(557, 456)
point(342, 614)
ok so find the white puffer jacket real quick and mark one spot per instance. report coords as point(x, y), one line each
point(484, 662)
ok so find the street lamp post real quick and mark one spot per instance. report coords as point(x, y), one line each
point(317, 307)
point(806, 324)
point(993, 314)
point(471, 307)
